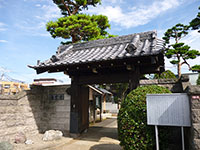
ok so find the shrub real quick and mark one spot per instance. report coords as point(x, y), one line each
point(133, 131)
point(198, 80)
point(165, 75)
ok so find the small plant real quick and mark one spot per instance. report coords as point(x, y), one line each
point(133, 131)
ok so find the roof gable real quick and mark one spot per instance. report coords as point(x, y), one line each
point(121, 47)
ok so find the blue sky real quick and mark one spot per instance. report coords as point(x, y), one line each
point(24, 39)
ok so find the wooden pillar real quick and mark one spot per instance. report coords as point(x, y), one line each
point(104, 103)
point(74, 113)
point(134, 78)
point(101, 108)
point(94, 110)
point(79, 114)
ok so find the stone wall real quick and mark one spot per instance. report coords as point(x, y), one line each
point(34, 111)
point(194, 134)
point(56, 112)
point(174, 85)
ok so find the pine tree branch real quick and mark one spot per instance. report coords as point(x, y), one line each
point(185, 62)
point(75, 10)
point(69, 12)
point(75, 5)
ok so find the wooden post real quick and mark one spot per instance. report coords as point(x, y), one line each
point(79, 116)
point(134, 78)
point(101, 107)
point(94, 109)
point(104, 103)
point(74, 113)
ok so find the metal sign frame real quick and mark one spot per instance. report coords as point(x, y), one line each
point(168, 110)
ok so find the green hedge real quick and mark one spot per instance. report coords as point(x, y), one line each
point(133, 132)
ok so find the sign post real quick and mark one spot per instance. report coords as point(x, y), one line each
point(157, 138)
point(182, 135)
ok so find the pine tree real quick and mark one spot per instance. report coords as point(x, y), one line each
point(195, 23)
point(77, 26)
point(180, 52)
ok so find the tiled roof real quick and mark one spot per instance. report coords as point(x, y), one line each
point(133, 45)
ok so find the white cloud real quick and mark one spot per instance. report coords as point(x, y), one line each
point(49, 12)
point(3, 41)
point(37, 25)
point(2, 26)
point(192, 39)
point(38, 5)
point(138, 15)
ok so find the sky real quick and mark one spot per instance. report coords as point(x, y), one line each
point(24, 39)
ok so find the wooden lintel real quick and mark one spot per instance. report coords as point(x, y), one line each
point(106, 78)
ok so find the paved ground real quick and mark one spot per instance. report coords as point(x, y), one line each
point(101, 136)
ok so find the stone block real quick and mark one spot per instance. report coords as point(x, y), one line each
point(26, 128)
point(60, 114)
point(5, 116)
point(193, 89)
point(29, 115)
point(11, 109)
point(67, 125)
point(8, 102)
point(10, 122)
point(8, 131)
point(196, 144)
point(23, 101)
point(196, 115)
point(195, 103)
point(67, 97)
point(196, 130)
point(62, 108)
point(30, 121)
point(60, 103)
point(36, 109)
point(63, 120)
point(24, 109)
point(2, 124)
point(56, 126)
point(2, 110)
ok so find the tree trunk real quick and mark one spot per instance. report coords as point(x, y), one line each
point(179, 69)
point(74, 39)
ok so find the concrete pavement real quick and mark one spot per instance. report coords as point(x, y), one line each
point(100, 136)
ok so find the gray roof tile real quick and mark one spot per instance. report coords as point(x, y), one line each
point(133, 45)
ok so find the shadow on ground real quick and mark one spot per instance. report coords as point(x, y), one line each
point(106, 147)
point(99, 133)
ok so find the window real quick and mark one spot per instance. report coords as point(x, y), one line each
point(7, 86)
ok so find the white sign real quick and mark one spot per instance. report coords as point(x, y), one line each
point(168, 109)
